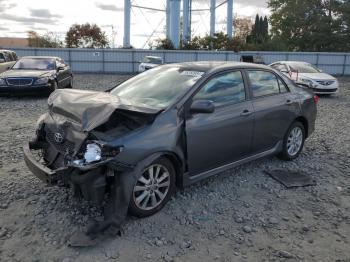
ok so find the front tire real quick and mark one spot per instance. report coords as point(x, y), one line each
point(293, 142)
point(153, 189)
point(53, 87)
point(70, 85)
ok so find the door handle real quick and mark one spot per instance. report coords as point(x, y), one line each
point(246, 112)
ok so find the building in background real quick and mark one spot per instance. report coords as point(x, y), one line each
point(13, 42)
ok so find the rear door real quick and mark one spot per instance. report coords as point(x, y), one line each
point(225, 135)
point(275, 108)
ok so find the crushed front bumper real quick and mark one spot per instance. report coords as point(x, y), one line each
point(90, 181)
point(38, 169)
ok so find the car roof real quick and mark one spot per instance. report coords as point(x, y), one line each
point(42, 57)
point(291, 62)
point(150, 56)
point(206, 66)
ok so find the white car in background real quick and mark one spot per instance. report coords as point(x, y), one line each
point(306, 74)
point(150, 62)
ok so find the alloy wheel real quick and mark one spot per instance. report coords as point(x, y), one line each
point(295, 141)
point(152, 187)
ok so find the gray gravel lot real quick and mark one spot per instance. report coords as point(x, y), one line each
point(241, 215)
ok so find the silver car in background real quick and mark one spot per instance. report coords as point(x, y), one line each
point(150, 62)
point(7, 60)
point(306, 74)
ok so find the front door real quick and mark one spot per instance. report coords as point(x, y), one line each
point(221, 137)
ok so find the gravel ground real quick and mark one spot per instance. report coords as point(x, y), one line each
point(240, 215)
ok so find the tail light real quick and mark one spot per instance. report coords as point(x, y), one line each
point(315, 99)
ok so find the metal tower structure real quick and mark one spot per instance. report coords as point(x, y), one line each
point(172, 12)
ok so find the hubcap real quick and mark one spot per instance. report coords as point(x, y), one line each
point(152, 187)
point(295, 140)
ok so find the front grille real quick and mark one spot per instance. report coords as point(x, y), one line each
point(64, 147)
point(19, 81)
point(326, 83)
point(318, 90)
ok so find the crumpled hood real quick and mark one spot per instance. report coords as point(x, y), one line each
point(89, 109)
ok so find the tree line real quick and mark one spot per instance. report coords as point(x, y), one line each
point(294, 25)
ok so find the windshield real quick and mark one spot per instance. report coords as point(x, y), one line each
point(159, 87)
point(152, 60)
point(304, 68)
point(35, 63)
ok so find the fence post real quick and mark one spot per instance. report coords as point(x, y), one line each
point(133, 60)
point(287, 56)
point(164, 57)
point(196, 52)
point(344, 64)
point(103, 60)
point(317, 59)
point(226, 56)
point(69, 58)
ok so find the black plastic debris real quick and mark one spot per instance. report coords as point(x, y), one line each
point(291, 179)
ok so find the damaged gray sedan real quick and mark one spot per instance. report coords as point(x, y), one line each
point(167, 128)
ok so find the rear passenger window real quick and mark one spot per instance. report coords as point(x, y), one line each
point(263, 83)
point(223, 89)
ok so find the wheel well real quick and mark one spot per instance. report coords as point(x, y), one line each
point(175, 160)
point(303, 120)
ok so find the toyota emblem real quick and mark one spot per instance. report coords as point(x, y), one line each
point(59, 138)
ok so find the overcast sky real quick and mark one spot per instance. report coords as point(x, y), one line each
point(19, 16)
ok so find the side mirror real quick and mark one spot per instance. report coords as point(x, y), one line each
point(202, 106)
point(60, 68)
point(2, 61)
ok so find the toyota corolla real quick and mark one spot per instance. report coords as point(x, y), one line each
point(167, 128)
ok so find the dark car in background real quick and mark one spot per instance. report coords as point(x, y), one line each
point(37, 75)
point(7, 59)
point(169, 126)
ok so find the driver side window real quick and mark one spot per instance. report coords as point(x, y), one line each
point(223, 89)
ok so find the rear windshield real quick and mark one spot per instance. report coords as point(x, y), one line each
point(35, 64)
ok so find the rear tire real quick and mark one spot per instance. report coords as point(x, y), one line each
point(153, 189)
point(293, 142)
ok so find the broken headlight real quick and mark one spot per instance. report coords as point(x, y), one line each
point(92, 153)
point(96, 151)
